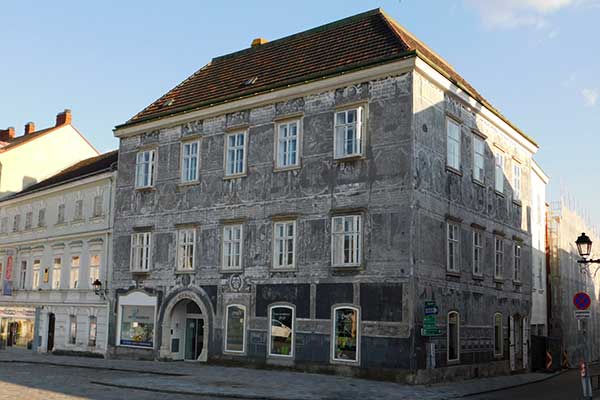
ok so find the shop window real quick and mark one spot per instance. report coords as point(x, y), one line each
point(235, 329)
point(453, 337)
point(281, 333)
point(137, 326)
point(93, 331)
point(346, 334)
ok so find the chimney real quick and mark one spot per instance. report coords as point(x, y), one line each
point(7, 135)
point(29, 128)
point(258, 41)
point(63, 118)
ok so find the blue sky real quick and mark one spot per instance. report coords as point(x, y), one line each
point(538, 61)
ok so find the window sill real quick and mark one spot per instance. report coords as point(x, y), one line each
point(498, 193)
point(188, 183)
point(140, 272)
point(145, 189)
point(286, 169)
point(184, 272)
point(78, 221)
point(479, 183)
point(455, 274)
point(517, 202)
point(289, 269)
point(453, 362)
point(236, 176)
point(517, 283)
point(60, 224)
point(230, 270)
point(453, 170)
point(350, 158)
point(97, 218)
point(478, 277)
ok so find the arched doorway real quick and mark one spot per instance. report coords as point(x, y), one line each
point(185, 328)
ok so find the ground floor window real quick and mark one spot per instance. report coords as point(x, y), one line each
point(137, 326)
point(235, 329)
point(498, 334)
point(93, 331)
point(72, 329)
point(345, 343)
point(281, 333)
point(453, 336)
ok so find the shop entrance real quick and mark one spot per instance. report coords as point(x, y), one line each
point(194, 338)
point(18, 333)
point(188, 332)
point(51, 324)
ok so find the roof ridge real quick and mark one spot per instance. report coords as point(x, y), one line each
point(319, 28)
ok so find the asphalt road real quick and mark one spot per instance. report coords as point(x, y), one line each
point(46, 382)
point(563, 387)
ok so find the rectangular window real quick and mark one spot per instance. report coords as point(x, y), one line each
point(235, 329)
point(499, 172)
point(189, 161)
point(97, 211)
point(186, 249)
point(235, 151)
point(137, 326)
point(74, 277)
point(348, 133)
point(78, 212)
point(23, 281)
point(478, 159)
point(56, 271)
point(140, 251)
point(516, 181)
point(36, 274)
point(453, 245)
point(281, 334)
point(477, 252)
point(453, 144)
point(346, 241)
point(232, 247)
point(60, 219)
point(4, 227)
point(498, 339)
point(287, 144)
point(145, 168)
point(453, 336)
point(94, 268)
point(499, 259)
point(42, 218)
point(28, 220)
point(284, 244)
point(517, 262)
point(93, 333)
point(72, 329)
point(17, 223)
point(346, 334)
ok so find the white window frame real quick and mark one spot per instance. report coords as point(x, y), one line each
point(56, 279)
point(293, 349)
point(517, 262)
point(452, 247)
point(233, 151)
point(23, 273)
point(141, 251)
point(186, 249)
point(499, 160)
point(501, 341)
point(516, 181)
point(340, 131)
point(477, 252)
point(36, 267)
point(457, 359)
point(145, 168)
point(281, 244)
point(189, 173)
point(498, 257)
point(478, 159)
point(333, 334)
point(354, 236)
point(453, 144)
point(98, 207)
point(227, 245)
point(95, 268)
point(74, 272)
point(283, 144)
point(225, 349)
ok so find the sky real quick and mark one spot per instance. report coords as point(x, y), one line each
point(537, 61)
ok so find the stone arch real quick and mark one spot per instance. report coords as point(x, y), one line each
point(198, 296)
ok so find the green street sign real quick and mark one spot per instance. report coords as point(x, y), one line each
point(431, 331)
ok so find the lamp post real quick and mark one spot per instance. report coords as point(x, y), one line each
point(98, 290)
point(584, 248)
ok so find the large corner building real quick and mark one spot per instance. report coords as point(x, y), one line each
point(337, 200)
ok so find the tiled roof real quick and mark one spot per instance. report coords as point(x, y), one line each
point(352, 43)
point(88, 167)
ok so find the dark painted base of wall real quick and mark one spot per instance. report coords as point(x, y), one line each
point(461, 372)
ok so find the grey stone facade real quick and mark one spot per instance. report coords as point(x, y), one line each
point(401, 188)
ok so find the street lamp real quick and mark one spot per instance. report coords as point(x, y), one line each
point(98, 290)
point(584, 248)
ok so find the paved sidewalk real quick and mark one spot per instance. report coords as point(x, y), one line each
point(247, 383)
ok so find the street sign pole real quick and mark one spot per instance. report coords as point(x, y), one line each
point(582, 302)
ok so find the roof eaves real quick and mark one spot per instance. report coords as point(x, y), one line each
point(276, 86)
